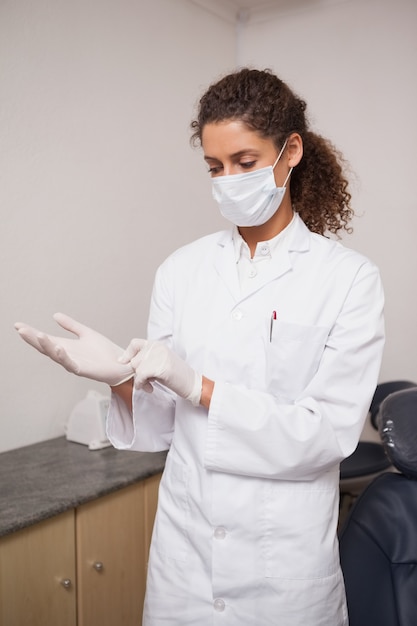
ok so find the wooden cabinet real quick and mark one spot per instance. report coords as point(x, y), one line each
point(83, 567)
point(37, 574)
point(113, 535)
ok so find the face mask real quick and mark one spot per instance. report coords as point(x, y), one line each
point(249, 199)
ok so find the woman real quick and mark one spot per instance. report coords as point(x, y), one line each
point(263, 352)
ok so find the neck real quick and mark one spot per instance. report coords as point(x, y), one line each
point(254, 234)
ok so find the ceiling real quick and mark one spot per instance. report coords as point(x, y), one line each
point(238, 10)
point(253, 4)
point(235, 10)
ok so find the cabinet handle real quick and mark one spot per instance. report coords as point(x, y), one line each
point(66, 583)
point(98, 566)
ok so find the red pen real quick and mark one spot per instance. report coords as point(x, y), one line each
point(273, 318)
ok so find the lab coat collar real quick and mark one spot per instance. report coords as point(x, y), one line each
point(273, 244)
point(225, 261)
point(298, 241)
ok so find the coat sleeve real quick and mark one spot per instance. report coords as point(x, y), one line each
point(150, 426)
point(253, 433)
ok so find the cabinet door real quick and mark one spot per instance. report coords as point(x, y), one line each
point(151, 502)
point(112, 536)
point(37, 574)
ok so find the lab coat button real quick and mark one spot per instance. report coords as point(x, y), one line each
point(252, 272)
point(237, 315)
point(220, 532)
point(264, 250)
point(219, 605)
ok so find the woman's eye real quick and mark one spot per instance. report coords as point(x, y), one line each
point(214, 170)
point(247, 165)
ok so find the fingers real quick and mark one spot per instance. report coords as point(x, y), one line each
point(146, 386)
point(134, 354)
point(145, 369)
point(47, 346)
point(57, 353)
point(30, 335)
point(65, 360)
point(134, 347)
point(70, 324)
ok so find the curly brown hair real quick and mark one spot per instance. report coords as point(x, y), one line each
point(266, 104)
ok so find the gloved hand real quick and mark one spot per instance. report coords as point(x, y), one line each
point(91, 355)
point(153, 360)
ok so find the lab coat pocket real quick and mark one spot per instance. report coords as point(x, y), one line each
point(170, 537)
point(300, 531)
point(293, 356)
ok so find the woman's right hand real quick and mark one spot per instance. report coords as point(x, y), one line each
point(90, 354)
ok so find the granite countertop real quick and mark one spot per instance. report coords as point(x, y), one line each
point(48, 478)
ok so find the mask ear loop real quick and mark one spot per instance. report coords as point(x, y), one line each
point(288, 175)
point(278, 158)
point(280, 154)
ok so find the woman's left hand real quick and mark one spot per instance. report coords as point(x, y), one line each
point(154, 361)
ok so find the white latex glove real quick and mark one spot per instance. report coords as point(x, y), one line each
point(90, 355)
point(153, 360)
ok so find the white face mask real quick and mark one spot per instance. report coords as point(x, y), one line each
point(249, 199)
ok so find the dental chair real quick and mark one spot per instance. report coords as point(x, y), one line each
point(378, 541)
point(369, 458)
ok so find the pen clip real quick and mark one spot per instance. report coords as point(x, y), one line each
point(273, 318)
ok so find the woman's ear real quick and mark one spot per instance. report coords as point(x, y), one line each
point(294, 149)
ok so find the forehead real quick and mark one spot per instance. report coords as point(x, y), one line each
point(230, 137)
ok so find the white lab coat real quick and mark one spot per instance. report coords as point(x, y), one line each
point(245, 533)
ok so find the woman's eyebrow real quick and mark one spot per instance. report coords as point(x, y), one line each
point(235, 155)
point(209, 158)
